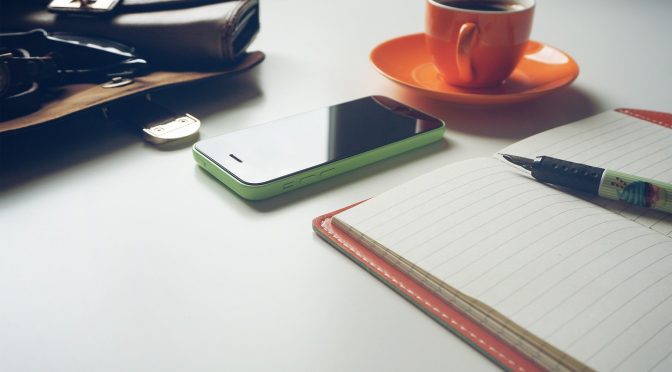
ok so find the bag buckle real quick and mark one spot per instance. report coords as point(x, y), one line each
point(82, 6)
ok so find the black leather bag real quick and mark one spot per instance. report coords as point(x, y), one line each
point(182, 40)
point(170, 34)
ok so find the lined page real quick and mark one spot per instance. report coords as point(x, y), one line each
point(615, 141)
point(592, 283)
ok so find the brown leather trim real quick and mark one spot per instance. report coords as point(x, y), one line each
point(75, 98)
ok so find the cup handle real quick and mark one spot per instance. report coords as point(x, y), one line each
point(465, 41)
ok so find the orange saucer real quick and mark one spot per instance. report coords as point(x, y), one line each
point(542, 70)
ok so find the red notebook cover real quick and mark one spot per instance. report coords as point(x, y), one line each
point(461, 325)
point(470, 331)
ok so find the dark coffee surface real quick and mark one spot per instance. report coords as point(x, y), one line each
point(488, 6)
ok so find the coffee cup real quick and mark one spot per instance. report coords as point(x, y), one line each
point(477, 43)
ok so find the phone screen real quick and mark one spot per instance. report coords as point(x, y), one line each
point(287, 146)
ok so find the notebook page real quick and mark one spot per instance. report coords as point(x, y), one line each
point(592, 283)
point(615, 141)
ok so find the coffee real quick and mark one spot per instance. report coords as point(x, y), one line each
point(487, 6)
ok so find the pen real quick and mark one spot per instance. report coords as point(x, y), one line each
point(606, 183)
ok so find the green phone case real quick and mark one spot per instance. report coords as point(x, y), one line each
point(318, 173)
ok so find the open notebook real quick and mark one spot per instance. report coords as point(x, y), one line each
point(533, 276)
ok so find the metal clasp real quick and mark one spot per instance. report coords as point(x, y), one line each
point(82, 6)
point(159, 125)
point(117, 82)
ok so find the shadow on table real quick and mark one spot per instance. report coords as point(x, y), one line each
point(511, 121)
point(28, 154)
point(514, 122)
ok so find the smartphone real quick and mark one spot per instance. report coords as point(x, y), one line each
point(285, 154)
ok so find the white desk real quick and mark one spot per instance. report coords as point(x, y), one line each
point(118, 256)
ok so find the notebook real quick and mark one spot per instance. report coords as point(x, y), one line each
point(533, 276)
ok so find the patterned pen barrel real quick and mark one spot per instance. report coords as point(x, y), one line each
point(639, 191)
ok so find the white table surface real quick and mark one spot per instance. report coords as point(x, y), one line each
point(118, 256)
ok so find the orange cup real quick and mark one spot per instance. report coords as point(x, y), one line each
point(477, 43)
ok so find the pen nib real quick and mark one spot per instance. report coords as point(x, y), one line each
point(519, 161)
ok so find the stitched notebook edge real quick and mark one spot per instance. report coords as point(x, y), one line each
point(468, 330)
